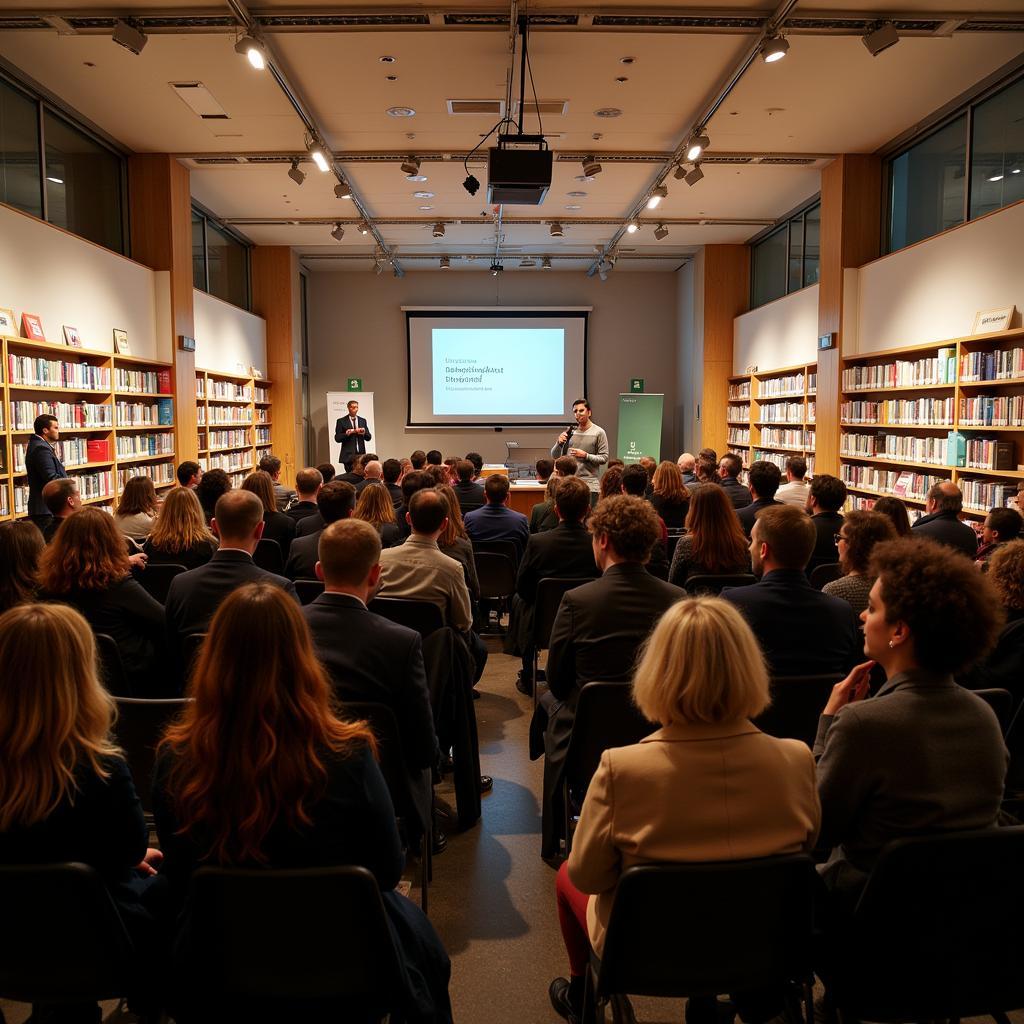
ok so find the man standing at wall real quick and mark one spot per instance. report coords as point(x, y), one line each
point(586, 442)
point(42, 464)
point(352, 433)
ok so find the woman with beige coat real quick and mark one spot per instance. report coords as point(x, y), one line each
point(707, 786)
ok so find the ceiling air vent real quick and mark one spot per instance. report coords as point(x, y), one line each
point(548, 108)
point(200, 100)
point(492, 108)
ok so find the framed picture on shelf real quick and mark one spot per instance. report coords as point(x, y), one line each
point(8, 322)
point(71, 337)
point(988, 321)
point(32, 327)
point(121, 342)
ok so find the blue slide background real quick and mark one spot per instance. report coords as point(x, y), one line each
point(532, 382)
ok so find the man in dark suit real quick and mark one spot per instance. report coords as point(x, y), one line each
point(42, 465)
point(373, 473)
point(412, 482)
point(336, 500)
point(824, 500)
point(355, 475)
point(687, 466)
point(763, 479)
point(316, 522)
point(391, 470)
point(368, 657)
point(307, 486)
point(729, 467)
point(352, 433)
point(495, 520)
point(542, 515)
point(470, 494)
point(194, 596)
point(597, 632)
point(62, 500)
point(802, 631)
point(941, 520)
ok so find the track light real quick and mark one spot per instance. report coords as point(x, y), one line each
point(632, 227)
point(295, 174)
point(438, 231)
point(338, 233)
point(410, 166)
point(378, 266)
point(397, 270)
point(698, 143)
point(680, 172)
point(363, 228)
point(880, 38)
point(695, 175)
point(527, 264)
point(661, 232)
point(545, 264)
point(252, 50)
point(129, 37)
point(602, 270)
point(319, 157)
point(446, 263)
point(661, 192)
point(471, 185)
point(343, 190)
point(590, 166)
point(556, 230)
point(496, 269)
point(774, 48)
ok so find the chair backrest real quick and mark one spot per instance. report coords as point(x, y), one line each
point(673, 540)
point(797, 703)
point(156, 579)
point(422, 616)
point(140, 725)
point(280, 936)
point(605, 717)
point(309, 590)
point(382, 722)
point(62, 938)
point(497, 574)
point(751, 927)
point(948, 909)
point(115, 679)
point(497, 547)
point(190, 652)
point(550, 592)
point(1001, 702)
point(823, 574)
point(268, 556)
point(706, 583)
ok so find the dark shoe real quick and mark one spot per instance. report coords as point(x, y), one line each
point(523, 684)
point(558, 993)
point(439, 843)
point(486, 783)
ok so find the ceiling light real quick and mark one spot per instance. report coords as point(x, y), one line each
point(608, 112)
point(56, 181)
point(425, 208)
point(695, 175)
point(400, 112)
point(680, 172)
point(774, 48)
point(410, 165)
point(446, 263)
point(545, 264)
point(438, 231)
point(574, 206)
point(386, 59)
point(319, 157)
point(576, 195)
point(661, 192)
point(129, 37)
point(632, 227)
point(423, 195)
point(880, 38)
point(590, 167)
point(363, 228)
point(697, 145)
point(660, 232)
point(338, 233)
point(602, 270)
point(556, 230)
point(471, 185)
point(295, 174)
point(343, 190)
point(416, 177)
point(1016, 170)
point(252, 50)
point(996, 177)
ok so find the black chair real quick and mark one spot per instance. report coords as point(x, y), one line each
point(941, 917)
point(268, 556)
point(606, 717)
point(497, 575)
point(1001, 702)
point(497, 547)
point(382, 722)
point(421, 616)
point(307, 944)
point(156, 579)
point(309, 590)
point(823, 574)
point(550, 592)
point(704, 584)
point(140, 725)
point(115, 679)
point(190, 652)
point(797, 703)
point(707, 929)
point(674, 533)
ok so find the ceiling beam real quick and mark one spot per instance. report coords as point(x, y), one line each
point(505, 222)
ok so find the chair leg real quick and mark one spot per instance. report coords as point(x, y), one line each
point(592, 1012)
point(536, 674)
point(426, 844)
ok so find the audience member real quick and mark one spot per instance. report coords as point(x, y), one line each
point(542, 515)
point(705, 472)
point(544, 467)
point(470, 494)
point(895, 510)
point(86, 566)
point(336, 500)
point(406, 465)
point(438, 475)
point(795, 490)
point(354, 475)
point(1002, 526)
point(495, 520)
point(21, 544)
point(180, 535)
point(276, 525)
point(449, 465)
point(763, 481)
point(941, 520)
point(634, 484)
point(615, 462)
point(566, 465)
point(327, 471)
point(259, 772)
point(434, 458)
point(374, 506)
point(648, 465)
point(189, 474)
point(392, 471)
point(137, 508)
point(824, 500)
point(855, 541)
point(597, 631)
point(702, 679)
point(478, 463)
point(418, 459)
point(687, 466)
point(412, 482)
point(828, 639)
point(611, 483)
point(454, 542)
point(307, 485)
point(729, 467)
point(214, 484)
point(373, 472)
point(669, 495)
point(709, 454)
point(922, 755)
point(62, 499)
point(283, 496)
point(713, 543)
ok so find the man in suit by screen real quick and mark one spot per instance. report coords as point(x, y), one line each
point(352, 433)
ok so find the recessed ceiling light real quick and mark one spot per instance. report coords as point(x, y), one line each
point(1016, 170)
point(608, 112)
point(391, 78)
point(423, 195)
point(632, 227)
point(585, 177)
point(400, 112)
point(996, 177)
point(627, 60)
point(386, 60)
point(574, 207)
point(622, 79)
point(416, 177)
point(56, 181)
point(576, 195)
point(426, 207)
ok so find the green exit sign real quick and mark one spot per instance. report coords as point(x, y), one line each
point(636, 384)
point(355, 384)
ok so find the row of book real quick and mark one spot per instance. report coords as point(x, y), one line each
point(737, 435)
point(982, 495)
point(262, 393)
point(992, 411)
point(777, 457)
point(158, 413)
point(35, 372)
point(228, 390)
point(899, 447)
point(159, 472)
point(812, 411)
point(903, 373)
point(1002, 364)
point(782, 412)
point(864, 503)
point(5, 509)
point(911, 411)
point(263, 415)
point(262, 453)
point(812, 382)
point(738, 392)
point(70, 415)
point(263, 435)
point(792, 437)
point(900, 483)
point(232, 462)
point(141, 445)
point(98, 484)
point(738, 412)
point(214, 415)
point(990, 453)
point(143, 381)
point(229, 439)
point(781, 387)
point(72, 451)
point(741, 452)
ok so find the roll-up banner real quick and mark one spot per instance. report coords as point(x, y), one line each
point(639, 431)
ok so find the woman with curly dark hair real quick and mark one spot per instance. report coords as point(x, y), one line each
point(714, 541)
point(923, 754)
point(855, 541)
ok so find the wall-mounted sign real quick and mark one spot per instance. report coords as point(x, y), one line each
point(636, 385)
point(354, 384)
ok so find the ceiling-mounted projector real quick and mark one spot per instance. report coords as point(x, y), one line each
point(519, 170)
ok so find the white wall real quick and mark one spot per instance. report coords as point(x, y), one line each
point(689, 355)
point(227, 336)
point(780, 333)
point(67, 280)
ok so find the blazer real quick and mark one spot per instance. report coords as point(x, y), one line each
point(691, 792)
point(302, 557)
point(462, 551)
point(310, 524)
point(945, 528)
point(471, 495)
point(748, 513)
point(564, 552)
point(302, 510)
point(191, 558)
point(673, 514)
point(542, 517)
point(738, 494)
point(827, 525)
point(498, 522)
point(802, 632)
point(922, 755)
point(418, 570)
point(351, 444)
point(279, 527)
point(395, 491)
point(41, 466)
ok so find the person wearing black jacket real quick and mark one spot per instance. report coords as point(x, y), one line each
point(469, 492)
point(729, 467)
point(763, 479)
point(826, 497)
point(42, 465)
point(941, 520)
point(336, 500)
point(307, 486)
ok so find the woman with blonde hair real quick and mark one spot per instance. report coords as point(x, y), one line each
point(374, 506)
point(714, 541)
point(455, 543)
point(701, 677)
point(180, 535)
point(261, 772)
point(276, 525)
point(137, 508)
point(670, 497)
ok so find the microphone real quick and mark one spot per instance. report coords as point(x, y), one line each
point(570, 430)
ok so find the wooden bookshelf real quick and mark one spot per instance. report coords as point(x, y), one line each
point(231, 405)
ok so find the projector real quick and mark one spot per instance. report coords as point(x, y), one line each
point(519, 170)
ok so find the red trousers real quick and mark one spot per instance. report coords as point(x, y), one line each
point(572, 918)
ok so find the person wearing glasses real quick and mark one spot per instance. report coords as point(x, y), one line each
point(855, 541)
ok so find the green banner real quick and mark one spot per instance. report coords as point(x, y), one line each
point(639, 431)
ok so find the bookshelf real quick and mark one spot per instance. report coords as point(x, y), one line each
point(898, 407)
point(235, 421)
point(116, 416)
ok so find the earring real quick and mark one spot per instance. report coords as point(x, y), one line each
point(891, 644)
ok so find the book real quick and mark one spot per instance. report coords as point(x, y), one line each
point(165, 414)
point(163, 378)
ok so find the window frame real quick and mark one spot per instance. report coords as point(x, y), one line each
point(206, 217)
point(785, 225)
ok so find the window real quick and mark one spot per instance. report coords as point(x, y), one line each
point(199, 252)
point(220, 261)
point(19, 151)
point(786, 260)
point(769, 269)
point(997, 151)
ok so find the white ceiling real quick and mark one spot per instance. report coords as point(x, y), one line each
point(828, 96)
